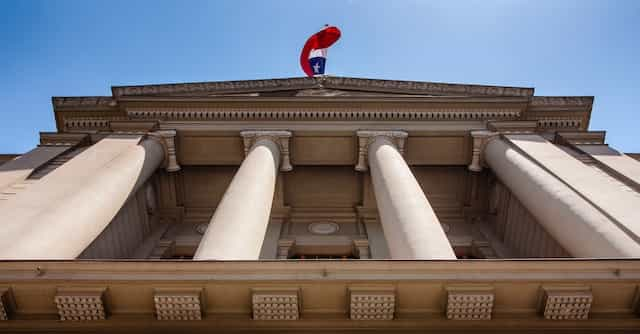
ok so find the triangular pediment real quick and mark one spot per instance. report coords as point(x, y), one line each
point(317, 87)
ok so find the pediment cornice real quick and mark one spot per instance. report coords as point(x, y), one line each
point(334, 83)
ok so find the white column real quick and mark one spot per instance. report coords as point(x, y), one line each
point(409, 223)
point(238, 226)
point(576, 224)
point(59, 216)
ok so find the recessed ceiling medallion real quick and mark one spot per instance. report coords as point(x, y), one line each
point(323, 228)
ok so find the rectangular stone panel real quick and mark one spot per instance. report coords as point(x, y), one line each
point(80, 304)
point(469, 302)
point(566, 303)
point(438, 150)
point(209, 150)
point(372, 303)
point(178, 304)
point(275, 304)
point(323, 151)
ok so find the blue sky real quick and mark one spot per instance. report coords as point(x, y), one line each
point(58, 48)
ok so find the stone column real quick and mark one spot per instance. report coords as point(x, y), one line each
point(59, 216)
point(409, 223)
point(576, 224)
point(238, 226)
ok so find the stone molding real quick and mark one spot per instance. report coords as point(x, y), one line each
point(7, 303)
point(275, 304)
point(580, 138)
point(64, 139)
point(279, 137)
point(561, 101)
point(480, 140)
point(361, 247)
point(178, 303)
point(513, 126)
point(285, 248)
point(167, 139)
point(566, 302)
point(80, 304)
point(469, 302)
point(84, 102)
point(315, 114)
point(376, 85)
point(372, 303)
point(367, 137)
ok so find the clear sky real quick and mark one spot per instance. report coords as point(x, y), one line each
point(58, 48)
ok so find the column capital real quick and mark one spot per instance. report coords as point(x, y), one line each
point(167, 139)
point(480, 140)
point(367, 137)
point(279, 137)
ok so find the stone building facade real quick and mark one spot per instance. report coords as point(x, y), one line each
point(320, 204)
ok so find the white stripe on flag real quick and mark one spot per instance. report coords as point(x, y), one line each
point(318, 53)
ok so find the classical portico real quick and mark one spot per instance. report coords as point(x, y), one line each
point(252, 205)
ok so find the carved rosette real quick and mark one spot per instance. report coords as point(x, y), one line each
point(280, 304)
point(375, 303)
point(469, 303)
point(281, 138)
point(366, 138)
point(566, 303)
point(167, 139)
point(178, 304)
point(80, 304)
point(480, 140)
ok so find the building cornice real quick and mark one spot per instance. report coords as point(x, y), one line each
point(373, 85)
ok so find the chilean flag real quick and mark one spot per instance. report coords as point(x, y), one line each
point(314, 53)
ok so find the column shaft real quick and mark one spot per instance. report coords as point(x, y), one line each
point(60, 216)
point(576, 224)
point(238, 226)
point(409, 223)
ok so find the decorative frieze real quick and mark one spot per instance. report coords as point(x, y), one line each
point(281, 138)
point(167, 139)
point(7, 303)
point(559, 123)
point(75, 304)
point(480, 140)
point(377, 85)
point(469, 302)
point(275, 304)
point(366, 138)
point(178, 303)
point(325, 114)
point(566, 303)
point(372, 303)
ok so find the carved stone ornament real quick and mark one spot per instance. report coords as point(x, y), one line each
point(167, 139)
point(566, 303)
point(275, 304)
point(201, 228)
point(80, 304)
point(323, 228)
point(7, 303)
point(178, 303)
point(281, 138)
point(366, 138)
point(469, 302)
point(480, 140)
point(372, 303)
